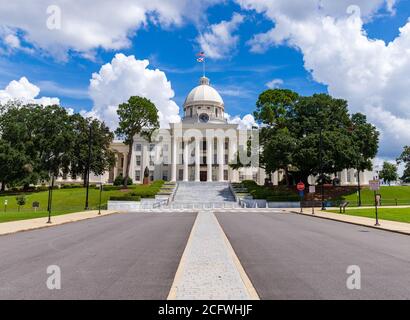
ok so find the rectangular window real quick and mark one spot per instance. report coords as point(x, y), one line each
point(137, 175)
point(226, 159)
point(165, 148)
point(151, 175)
point(180, 174)
point(138, 160)
point(165, 175)
point(138, 147)
point(151, 160)
point(165, 160)
point(255, 176)
point(226, 178)
point(241, 176)
point(151, 147)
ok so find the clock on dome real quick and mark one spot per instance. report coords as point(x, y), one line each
point(203, 117)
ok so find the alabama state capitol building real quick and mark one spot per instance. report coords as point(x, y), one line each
point(199, 148)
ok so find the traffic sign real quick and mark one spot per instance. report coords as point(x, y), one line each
point(374, 185)
point(312, 189)
point(300, 186)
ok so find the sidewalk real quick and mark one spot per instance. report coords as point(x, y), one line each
point(30, 224)
point(387, 225)
point(209, 268)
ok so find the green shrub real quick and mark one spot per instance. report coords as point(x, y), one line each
point(119, 181)
point(125, 198)
point(21, 200)
point(112, 188)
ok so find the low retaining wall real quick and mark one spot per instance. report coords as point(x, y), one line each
point(123, 205)
point(260, 203)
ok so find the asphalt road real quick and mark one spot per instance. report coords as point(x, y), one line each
point(288, 256)
point(122, 256)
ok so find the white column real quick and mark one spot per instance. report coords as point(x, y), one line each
point(197, 158)
point(209, 157)
point(186, 159)
point(343, 177)
point(174, 160)
point(233, 148)
point(221, 158)
point(124, 167)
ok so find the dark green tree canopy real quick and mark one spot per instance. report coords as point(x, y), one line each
point(405, 158)
point(292, 127)
point(38, 141)
point(388, 172)
point(138, 116)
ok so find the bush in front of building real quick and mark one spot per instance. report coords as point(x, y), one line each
point(119, 181)
point(269, 193)
point(125, 198)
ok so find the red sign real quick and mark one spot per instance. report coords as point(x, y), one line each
point(300, 186)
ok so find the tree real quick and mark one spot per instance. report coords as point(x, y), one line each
point(366, 141)
point(388, 172)
point(306, 135)
point(137, 116)
point(405, 158)
point(16, 146)
point(102, 157)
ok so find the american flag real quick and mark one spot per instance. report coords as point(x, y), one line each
point(201, 56)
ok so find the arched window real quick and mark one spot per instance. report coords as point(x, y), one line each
point(216, 112)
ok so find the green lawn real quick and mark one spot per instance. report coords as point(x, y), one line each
point(65, 201)
point(390, 195)
point(393, 214)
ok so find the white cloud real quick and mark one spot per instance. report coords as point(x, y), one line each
point(89, 25)
point(219, 41)
point(26, 92)
point(247, 122)
point(124, 77)
point(275, 83)
point(371, 74)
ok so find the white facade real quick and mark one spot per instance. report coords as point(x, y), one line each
point(199, 148)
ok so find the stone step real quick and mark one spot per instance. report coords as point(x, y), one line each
point(203, 192)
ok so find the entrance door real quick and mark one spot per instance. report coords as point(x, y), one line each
point(203, 176)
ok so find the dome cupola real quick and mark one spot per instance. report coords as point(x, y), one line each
point(204, 104)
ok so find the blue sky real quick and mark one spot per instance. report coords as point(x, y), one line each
point(240, 75)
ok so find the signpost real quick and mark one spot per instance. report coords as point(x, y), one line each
point(5, 205)
point(375, 186)
point(301, 188)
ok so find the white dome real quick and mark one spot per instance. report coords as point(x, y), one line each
point(203, 92)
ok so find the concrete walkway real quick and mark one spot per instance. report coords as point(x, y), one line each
point(209, 268)
point(400, 227)
point(30, 224)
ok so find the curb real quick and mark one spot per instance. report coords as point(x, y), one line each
point(354, 223)
point(53, 224)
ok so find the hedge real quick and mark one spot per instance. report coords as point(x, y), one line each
point(125, 198)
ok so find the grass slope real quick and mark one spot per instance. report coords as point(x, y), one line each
point(393, 214)
point(66, 201)
point(389, 196)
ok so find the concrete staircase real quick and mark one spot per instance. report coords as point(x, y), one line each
point(205, 194)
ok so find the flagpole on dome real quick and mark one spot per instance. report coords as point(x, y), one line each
point(201, 58)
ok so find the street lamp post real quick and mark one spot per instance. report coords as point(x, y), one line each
point(50, 198)
point(87, 174)
point(321, 168)
point(358, 186)
point(99, 205)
